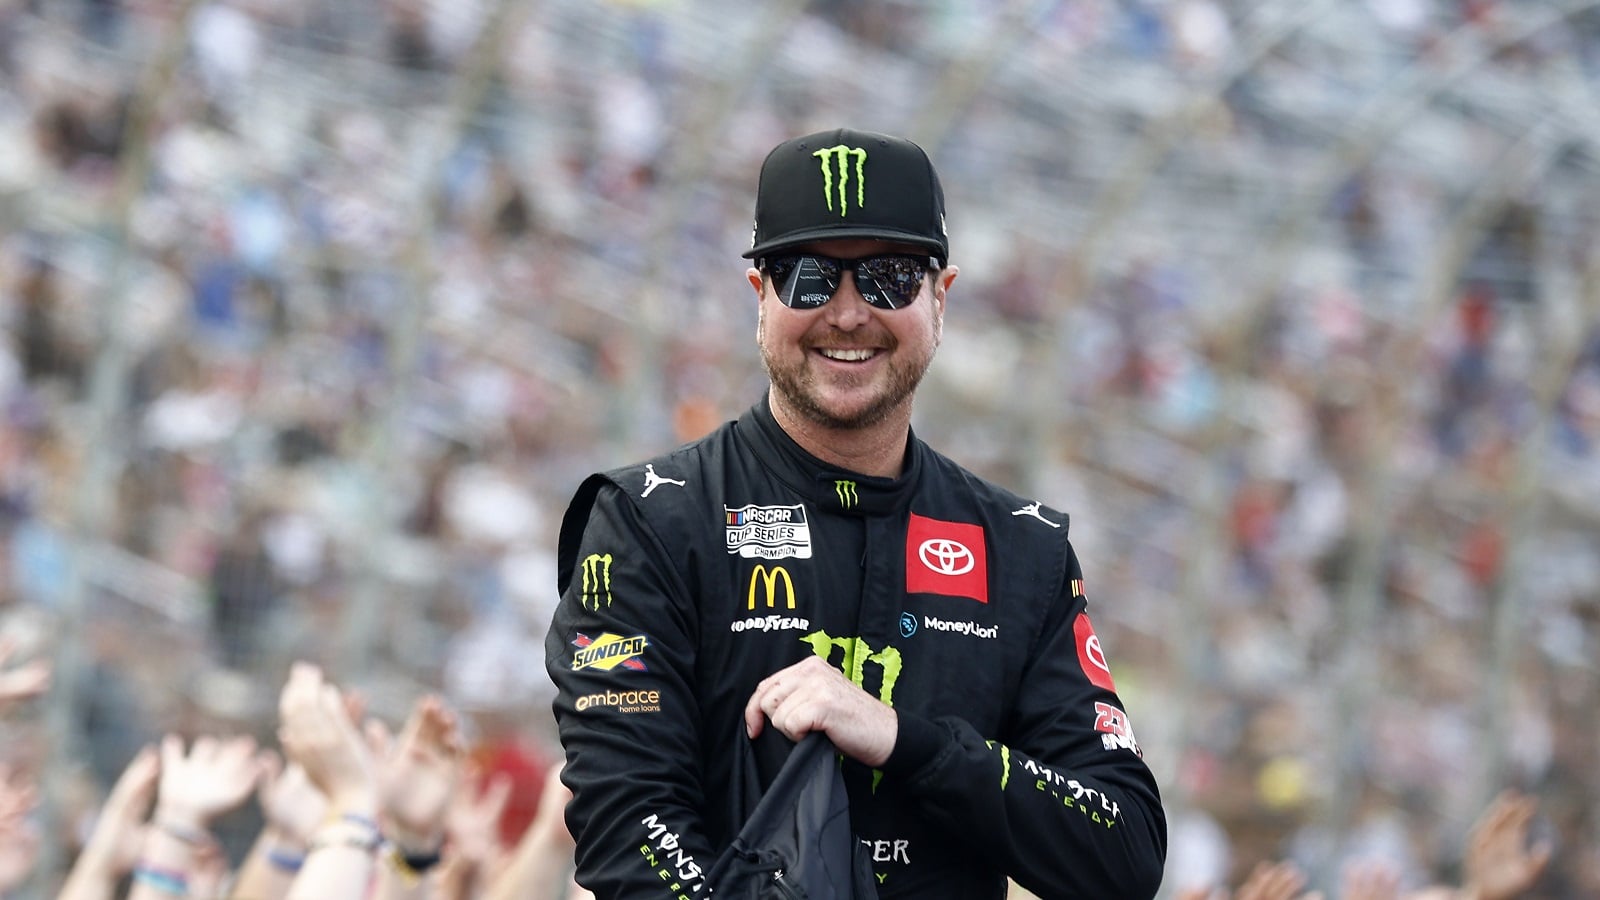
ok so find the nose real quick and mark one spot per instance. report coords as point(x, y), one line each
point(847, 310)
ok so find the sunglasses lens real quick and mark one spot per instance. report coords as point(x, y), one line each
point(890, 282)
point(807, 282)
point(804, 282)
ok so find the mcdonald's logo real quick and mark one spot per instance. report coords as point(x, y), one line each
point(768, 579)
point(596, 580)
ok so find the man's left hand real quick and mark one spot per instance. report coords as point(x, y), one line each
point(814, 696)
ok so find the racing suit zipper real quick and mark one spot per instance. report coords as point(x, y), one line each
point(785, 889)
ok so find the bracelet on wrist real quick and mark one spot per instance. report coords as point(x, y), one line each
point(168, 881)
point(350, 830)
point(412, 866)
point(286, 860)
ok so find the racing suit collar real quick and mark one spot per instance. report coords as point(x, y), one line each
point(830, 487)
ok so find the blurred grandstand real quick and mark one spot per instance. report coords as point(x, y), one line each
point(314, 313)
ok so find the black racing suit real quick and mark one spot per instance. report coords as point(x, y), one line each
point(688, 579)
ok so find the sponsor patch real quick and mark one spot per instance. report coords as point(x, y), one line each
point(596, 581)
point(1090, 656)
point(908, 624)
point(946, 558)
point(1074, 794)
point(1116, 732)
point(773, 583)
point(893, 850)
point(771, 588)
point(675, 865)
point(972, 629)
point(621, 701)
point(768, 532)
point(609, 651)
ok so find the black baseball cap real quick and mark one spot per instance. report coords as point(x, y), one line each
point(848, 184)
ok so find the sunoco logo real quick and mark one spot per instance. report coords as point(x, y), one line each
point(840, 157)
point(608, 651)
point(596, 580)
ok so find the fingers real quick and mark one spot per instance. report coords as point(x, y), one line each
point(813, 696)
point(138, 777)
point(492, 804)
point(1272, 881)
point(380, 740)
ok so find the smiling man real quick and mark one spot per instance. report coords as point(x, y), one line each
point(814, 566)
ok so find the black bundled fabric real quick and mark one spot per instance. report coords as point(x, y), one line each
point(797, 843)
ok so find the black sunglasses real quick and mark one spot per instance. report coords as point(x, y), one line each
point(808, 280)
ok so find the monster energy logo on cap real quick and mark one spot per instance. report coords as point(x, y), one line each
point(843, 154)
point(814, 188)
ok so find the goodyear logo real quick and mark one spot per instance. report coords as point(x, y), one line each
point(846, 492)
point(596, 580)
point(608, 651)
point(840, 157)
point(769, 580)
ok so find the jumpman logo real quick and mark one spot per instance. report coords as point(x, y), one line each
point(653, 481)
point(1032, 509)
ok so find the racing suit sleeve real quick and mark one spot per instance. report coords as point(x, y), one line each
point(620, 650)
point(1063, 798)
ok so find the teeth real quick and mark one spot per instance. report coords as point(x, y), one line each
point(847, 355)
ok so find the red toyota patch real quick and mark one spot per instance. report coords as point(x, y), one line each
point(946, 558)
point(1090, 656)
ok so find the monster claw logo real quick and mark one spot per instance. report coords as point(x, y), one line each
point(596, 580)
point(846, 492)
point(857, 653)
point(841, 155)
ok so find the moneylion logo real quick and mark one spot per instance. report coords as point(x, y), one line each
point(769, 579)
point(846, 492)
point(596, 580)
point(841, 156)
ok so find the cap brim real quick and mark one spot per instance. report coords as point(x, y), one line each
point(834, 233)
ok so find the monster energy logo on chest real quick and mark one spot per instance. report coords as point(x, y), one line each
point(840, 156)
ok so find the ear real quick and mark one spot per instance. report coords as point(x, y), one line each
point(753, 275)
point(942, 282)
point(941, 290)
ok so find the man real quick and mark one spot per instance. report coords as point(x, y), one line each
point(813, 566)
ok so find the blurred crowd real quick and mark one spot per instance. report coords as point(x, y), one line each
point(313, 314)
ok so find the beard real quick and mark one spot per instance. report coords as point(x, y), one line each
point(796, 382)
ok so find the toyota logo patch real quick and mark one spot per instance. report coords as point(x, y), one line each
point(946, 557)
